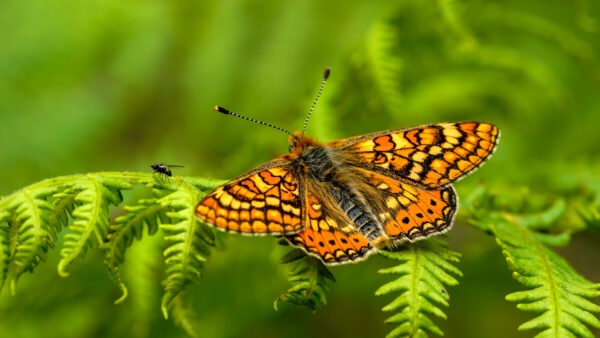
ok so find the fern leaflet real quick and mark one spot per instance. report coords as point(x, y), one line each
point(188, 240)
point(386, 66)
point(35, 229)
point(91, 216)
point(147, 214)
point(556, 290)
point(309, 278)
point(425, 268)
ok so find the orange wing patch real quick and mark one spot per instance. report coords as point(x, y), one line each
point(264, 202)
point(324, 238)
point(431, 156)
point(412, 213)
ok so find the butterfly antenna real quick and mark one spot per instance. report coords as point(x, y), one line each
point(227, 112)
point(325, 76)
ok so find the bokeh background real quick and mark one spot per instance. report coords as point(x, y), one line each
point(89, 86)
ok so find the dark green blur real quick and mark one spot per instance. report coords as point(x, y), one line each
point(90, 86)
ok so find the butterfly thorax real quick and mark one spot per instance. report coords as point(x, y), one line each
point(334, 183)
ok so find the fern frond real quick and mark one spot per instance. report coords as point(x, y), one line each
point(183, 316)
point(91, 216)
point(35, 229)
point(188, 241)
point(520, 63)
point(141, 270)
point(555, 289)
point(425, 269)
point(310, 280)
point(147, 214)
point(453, 18)
point(591, 217)
point(386, 66)
point(544, 28)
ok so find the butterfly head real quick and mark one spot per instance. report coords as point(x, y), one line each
point(298, 141)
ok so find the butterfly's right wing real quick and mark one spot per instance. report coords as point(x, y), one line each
point(323, 237)
point(407, 212)
point(263, 201)
point(430, 156)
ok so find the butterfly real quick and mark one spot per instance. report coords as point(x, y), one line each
point(343, 200)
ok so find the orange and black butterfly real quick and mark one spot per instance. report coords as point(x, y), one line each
point(342, 200)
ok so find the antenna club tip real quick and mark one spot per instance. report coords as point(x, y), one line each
point(222, 110)
point(327, 72)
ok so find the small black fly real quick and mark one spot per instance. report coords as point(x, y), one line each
point(164, 170)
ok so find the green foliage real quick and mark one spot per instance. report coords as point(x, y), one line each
point(310, 280)
point(591, 216)
point(555, 289)
point(31, 226)
point(425, 269)
point(4, 247)
point(32, 218)
point(147, 214)
point(91, 217)
point(188, 240)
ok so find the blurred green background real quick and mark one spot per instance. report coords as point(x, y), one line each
point(119, 85)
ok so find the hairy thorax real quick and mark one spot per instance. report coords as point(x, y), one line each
point(339, 186)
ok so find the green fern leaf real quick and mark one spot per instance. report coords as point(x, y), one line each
point(147, 214)
point(310, 280)
point(188, 240)
point(91, 216)
point(64, 204)
point(425, 268)
point(385, 65)
point(35, 229)
point(451, 12)
point(556, 290)
point(591, 217)
point(183, 316)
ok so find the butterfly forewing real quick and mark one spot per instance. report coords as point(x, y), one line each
point(430, 156)
point(265, 200)
point(323, 237)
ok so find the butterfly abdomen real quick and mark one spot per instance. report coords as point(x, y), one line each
point(364, 221)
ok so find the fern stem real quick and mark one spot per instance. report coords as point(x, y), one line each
point(547, 271)
point(128, 177)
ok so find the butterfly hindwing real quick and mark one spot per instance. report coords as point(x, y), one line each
point(325, 238)
point(265, 200)
point(430, 156)
point(410, 213)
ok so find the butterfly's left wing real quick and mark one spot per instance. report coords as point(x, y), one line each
point(323, 237)
point(430, 157)
point(263, 201)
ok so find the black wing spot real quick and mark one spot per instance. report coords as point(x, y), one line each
point(321, 244)
point(331, 241)
point(433, 202)
point(405, 220)
point(420, 215)
point(429, 211)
